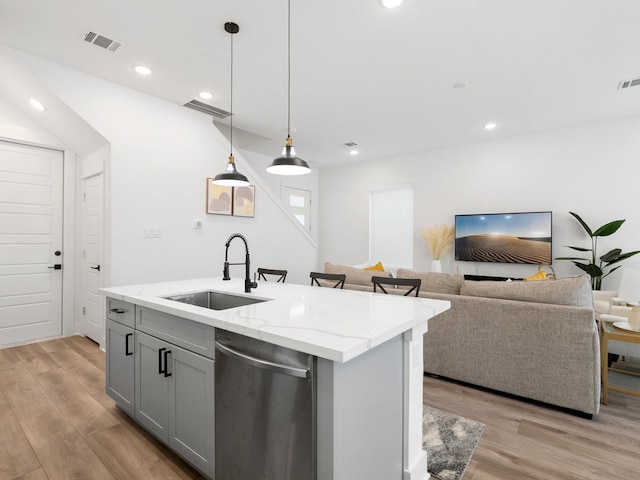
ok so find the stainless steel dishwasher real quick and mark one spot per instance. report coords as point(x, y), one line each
point(265, 411)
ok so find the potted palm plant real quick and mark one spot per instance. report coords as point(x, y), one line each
point(598, 267)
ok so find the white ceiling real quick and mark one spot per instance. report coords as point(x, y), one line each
point(360, 73)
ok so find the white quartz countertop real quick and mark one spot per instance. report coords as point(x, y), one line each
point(334, 324)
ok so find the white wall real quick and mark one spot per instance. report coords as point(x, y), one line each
point(592, 170)
point(161, 155)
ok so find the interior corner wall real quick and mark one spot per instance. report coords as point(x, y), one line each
point(15, 125)
point(161, 155)
point(591, 170)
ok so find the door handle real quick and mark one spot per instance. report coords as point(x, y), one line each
point(127, 352)
point(166, 363)
point(57, 266)
point(163, 357)
point(97, 267)
point(264, 364)
point(160, 369)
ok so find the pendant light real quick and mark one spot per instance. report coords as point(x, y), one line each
point(288, 163)
point(231, 177)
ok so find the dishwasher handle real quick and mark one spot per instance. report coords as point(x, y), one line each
point(264, 364)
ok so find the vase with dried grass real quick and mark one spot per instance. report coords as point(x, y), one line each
point(439, 240)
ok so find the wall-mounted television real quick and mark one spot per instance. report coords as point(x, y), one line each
point(504, 237)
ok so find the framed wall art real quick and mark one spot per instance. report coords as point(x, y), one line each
point(244, 199)
point(219, 199)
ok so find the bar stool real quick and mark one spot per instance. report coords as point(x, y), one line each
point(414, 283)
point(281, 274)
point(338, 278)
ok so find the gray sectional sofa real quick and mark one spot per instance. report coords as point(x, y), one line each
point(537, 340)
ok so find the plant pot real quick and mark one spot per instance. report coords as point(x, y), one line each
point(436, 266)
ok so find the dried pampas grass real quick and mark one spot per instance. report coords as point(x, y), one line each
point(439, 239)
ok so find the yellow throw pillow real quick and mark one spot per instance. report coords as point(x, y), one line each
point(541, 275)
point(375, 268)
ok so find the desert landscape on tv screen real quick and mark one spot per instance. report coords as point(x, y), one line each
point(504, 238)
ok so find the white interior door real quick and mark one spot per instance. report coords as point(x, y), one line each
point(31, 182)
point(92, 240)
point(298, 202)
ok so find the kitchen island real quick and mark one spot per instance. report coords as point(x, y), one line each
point(365, 373)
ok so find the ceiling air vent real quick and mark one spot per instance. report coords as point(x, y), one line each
point(350, 144)
point(208, 109)
point(628, 83)
point(102, 41)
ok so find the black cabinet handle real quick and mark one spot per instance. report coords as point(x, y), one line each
point(127, 352)
point(119, 311)
point(166, 363)
point(160, 369)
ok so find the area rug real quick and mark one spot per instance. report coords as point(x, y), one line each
point(450, 441)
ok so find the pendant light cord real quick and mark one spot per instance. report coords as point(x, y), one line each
point(289, 71)
point(231, 134)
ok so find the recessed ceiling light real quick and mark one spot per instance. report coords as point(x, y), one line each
point(37, 105)
point(460, 84)
point(142, 70)
point(353, 152)
point(490, 126)
point(391, 3)
point(206, 95)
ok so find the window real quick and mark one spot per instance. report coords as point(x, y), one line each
point(391, 226)
point(299, 204)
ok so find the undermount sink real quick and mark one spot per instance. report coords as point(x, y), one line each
point(215, 300)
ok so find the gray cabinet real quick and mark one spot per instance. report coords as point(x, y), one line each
point(121, 312)
point(158, 379)
point(120, 385)
point(152, 385)
point(174, 398)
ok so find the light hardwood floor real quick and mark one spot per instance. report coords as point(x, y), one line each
point(57, 423)
point(525, 441)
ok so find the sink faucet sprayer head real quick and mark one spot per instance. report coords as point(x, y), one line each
point(225, 272)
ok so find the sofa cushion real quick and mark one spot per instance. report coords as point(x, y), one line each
point(435, 282)
point(378, 267)
point(539, 275)
point(573, 291)
point(355, 276)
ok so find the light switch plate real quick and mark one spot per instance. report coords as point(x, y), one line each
point(152, 232)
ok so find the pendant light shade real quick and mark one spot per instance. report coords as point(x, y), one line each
point(231, 177)
point(288, 163)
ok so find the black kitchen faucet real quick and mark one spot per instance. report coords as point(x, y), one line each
point(248, 284)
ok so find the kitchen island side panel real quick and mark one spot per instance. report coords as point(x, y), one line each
point(360, 415)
